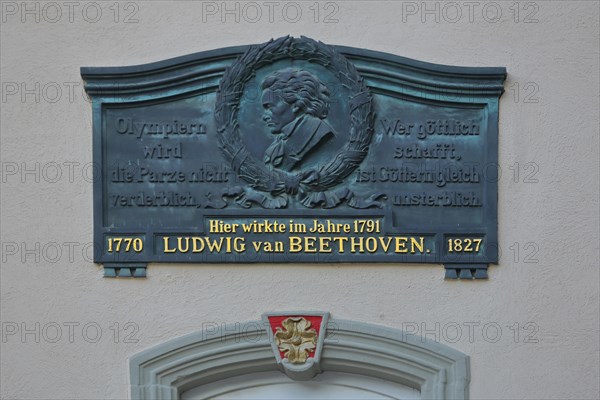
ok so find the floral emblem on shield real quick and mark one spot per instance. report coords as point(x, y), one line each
point(297, 340)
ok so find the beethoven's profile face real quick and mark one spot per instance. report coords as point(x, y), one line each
point(291, 93)
point(277, 112)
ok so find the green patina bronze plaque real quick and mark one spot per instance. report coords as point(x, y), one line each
point(295, 151)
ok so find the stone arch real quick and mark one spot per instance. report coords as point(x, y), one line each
point(220, 352)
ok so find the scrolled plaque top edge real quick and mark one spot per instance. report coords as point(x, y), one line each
point(106, 72)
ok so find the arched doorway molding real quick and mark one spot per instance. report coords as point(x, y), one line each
point(224, 351)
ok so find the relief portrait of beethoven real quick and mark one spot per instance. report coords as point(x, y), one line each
point(295, 105)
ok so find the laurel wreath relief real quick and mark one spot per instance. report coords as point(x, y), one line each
point(270, 187)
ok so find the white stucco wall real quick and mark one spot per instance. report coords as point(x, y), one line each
point(555, 58)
